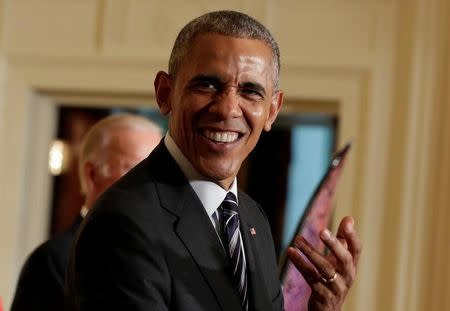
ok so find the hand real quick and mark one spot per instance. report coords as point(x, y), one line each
point(329, 276)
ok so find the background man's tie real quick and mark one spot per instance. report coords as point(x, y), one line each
point(233, 245)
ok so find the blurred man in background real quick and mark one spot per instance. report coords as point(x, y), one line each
point(110, 149)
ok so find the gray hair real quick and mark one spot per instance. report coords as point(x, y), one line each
point(227, 23)
point(97, 139)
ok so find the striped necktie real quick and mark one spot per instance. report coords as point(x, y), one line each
point(228, 212)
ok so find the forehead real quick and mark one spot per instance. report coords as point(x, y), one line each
point(131, 141)
point(215, 54)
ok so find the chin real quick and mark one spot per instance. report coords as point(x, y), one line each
point(218, 173)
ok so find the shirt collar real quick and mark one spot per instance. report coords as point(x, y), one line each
point(210, 194)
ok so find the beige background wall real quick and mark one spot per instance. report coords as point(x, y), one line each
point(384, 63)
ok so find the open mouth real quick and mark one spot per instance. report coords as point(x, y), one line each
point(221, 137)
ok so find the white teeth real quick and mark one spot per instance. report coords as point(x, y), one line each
point(221, 137)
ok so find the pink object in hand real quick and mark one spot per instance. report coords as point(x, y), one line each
point(296, 290)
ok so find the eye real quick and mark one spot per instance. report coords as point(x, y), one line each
point(252, 93)
point(205, 85)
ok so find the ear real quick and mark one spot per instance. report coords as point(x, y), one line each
point(275, 107)
point(162, 91)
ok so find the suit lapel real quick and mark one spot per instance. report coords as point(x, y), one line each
point(259, 298)
point(199, 237)
point(197, 233)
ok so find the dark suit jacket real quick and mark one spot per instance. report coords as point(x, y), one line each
point(148, 244)
point(41, 281)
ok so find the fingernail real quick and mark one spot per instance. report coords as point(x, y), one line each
point(293, 250)
point(325, 234)
point(349, 227)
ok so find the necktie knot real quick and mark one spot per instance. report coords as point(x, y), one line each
point(230, 202)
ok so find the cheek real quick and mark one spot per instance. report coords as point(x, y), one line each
point(189, 110)
point(115, 173)
point(181, 111)
point(103, 183)
point(257, 113)
point(256, 116)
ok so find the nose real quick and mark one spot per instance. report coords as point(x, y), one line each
point(226, 105)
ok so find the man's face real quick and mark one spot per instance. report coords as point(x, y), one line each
point(219, 102)
point(126, 148)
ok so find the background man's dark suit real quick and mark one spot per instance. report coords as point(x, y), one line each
point(41, 282)
point(149, 242)
point(108, 150)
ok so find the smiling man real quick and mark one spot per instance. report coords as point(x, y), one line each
point(175, 233)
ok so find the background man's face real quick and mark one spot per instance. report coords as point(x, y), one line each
point(126, 149)
point(221, 100)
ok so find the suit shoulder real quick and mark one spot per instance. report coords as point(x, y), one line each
point(38, 257)
point(52, 250)
point(48, 260)
point(41, 280)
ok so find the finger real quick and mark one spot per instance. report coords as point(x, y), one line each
point(344, 226)
point(307, 270)
point(346, 255)
point(352, 238)
point(342, 255)
point(342, 240)
point(330, 256)
point(313, 278)
point(320, 263)
point(347, 232)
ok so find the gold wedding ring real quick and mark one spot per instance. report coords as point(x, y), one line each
point(330, 280)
